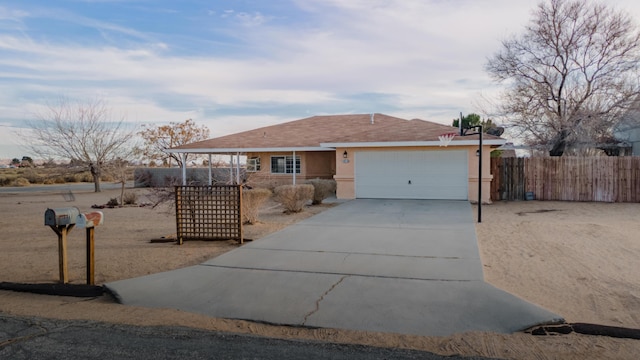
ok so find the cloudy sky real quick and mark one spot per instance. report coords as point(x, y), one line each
point(234, 65)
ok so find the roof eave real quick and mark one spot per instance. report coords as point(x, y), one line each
point(245, 150)
point(490, 142)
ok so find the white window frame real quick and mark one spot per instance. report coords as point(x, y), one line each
point(253, 164)
point(288, 164)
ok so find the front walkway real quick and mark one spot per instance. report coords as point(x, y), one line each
point(402, 266)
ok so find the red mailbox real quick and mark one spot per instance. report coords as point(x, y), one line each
point(89, 220)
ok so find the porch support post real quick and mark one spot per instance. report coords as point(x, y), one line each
point(238, 168)
point(231, 169)
point(210, 177)
point(294, 167)
point(184, 168)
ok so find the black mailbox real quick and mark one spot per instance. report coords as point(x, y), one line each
point(61, 216)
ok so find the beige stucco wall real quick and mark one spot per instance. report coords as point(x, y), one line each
point(313, 164)
point(345, 169)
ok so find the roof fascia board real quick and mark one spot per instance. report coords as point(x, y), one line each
point(241, 150)
point(414, 143)
point(332, 146)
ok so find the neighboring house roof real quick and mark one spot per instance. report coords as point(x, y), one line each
point(508, 153)
point(628, 129)
point(320, 133)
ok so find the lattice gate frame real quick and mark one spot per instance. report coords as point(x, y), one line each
point(212, 212)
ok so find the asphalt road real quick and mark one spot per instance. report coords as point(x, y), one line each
point(37, 338)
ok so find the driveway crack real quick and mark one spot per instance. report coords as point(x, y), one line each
point(321, 298)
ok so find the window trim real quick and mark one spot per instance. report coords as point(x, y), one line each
point(288, 164)
point(253, 164)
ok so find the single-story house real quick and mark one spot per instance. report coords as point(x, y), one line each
point(369, 156)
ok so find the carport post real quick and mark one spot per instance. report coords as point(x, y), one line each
point(237, 168)
point(294, 167)
point(230, 168)
point(210, 178)
point(184, 168)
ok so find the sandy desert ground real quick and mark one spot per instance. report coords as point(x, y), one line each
point(580, 260)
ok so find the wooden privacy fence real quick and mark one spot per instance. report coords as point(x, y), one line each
point(209, 212)
point(607, 179)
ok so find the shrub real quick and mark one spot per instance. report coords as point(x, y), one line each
point(129, 198)
point(7, 179)
point(252, 200)
point(323, 188)
point(33, 176)
point(86, 177)
point(71, 178)
point(143, 178)
point(112, 202)
point(21, 182)
point(294, 197)
point(59, 180)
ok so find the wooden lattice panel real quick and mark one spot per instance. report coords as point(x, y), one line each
point(209, 212)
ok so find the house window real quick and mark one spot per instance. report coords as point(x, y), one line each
point(284, 165)
point(253, 164)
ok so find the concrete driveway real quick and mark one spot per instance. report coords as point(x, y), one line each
point(402, 266)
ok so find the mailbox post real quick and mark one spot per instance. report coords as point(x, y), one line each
point(61, 221)
point(90, 221)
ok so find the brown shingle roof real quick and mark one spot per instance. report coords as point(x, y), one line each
point(311, 132)
point(407, 130)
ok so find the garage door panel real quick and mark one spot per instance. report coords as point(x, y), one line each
point(412, 174)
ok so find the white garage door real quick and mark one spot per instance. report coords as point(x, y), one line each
point(412, 174)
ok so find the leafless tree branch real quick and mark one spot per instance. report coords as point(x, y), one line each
point(572, 74)
point(84, 131)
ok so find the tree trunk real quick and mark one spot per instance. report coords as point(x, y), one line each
point(95, 172)
point(96, 184)
point(560, 145)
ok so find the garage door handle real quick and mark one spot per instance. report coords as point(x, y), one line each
point(409, 182)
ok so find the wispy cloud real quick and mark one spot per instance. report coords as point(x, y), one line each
point(12, 14)
point(236, 64)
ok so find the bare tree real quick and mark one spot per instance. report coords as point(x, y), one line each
point(157, 139)
point(83, 131)
point(570, 76)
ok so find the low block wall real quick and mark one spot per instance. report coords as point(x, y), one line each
point(161, 177)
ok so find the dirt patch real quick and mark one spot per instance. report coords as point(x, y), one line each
point(579, 261)
point(540, 211)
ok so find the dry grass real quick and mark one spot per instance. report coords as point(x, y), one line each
point(293, 197)
point(51, 175)
point(252, 201)
point(322, 189)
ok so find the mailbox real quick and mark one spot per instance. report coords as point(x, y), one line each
point(89, 220)
point(61, 221)
point(61, 216)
